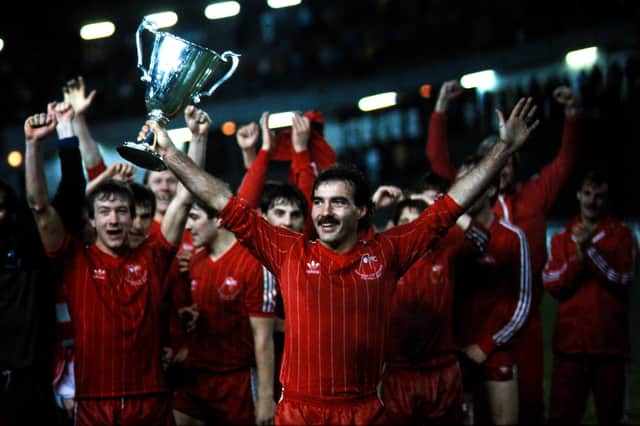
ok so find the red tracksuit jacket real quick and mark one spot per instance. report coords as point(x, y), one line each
point(593, 314)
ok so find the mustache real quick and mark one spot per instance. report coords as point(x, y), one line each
point(328, 220)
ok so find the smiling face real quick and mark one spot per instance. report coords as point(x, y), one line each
point(335, 215)
point(164, 185)
point(112, 221)
point(285, 213)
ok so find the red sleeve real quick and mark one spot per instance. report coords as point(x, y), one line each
point(95, 171)
point(251, 187)
point(521, 276)
point(437, 149)
point(260, 297)
point(268, 243)
point(304, 177)
point(412, 240)
point(612, 255)
point(542, 191)
point(563, 268)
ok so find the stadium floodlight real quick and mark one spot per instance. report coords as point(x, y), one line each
point(280, 119)
point(583, 58)
point(482, 80)
point(97, 30)
point(379, 101)
point(163, 19)
point(279, 4)
point(221, 10)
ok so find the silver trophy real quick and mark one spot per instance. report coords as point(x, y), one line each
point(178, 71)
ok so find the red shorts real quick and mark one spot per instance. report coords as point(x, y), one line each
point(431, 395)
point(216, 398)
point(298, 411)
point(128, 410)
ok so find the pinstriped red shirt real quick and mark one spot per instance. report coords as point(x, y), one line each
point(421, 325)
point(336, 305)
point(228, 291)
point(114, 304)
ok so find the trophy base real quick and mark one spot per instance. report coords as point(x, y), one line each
point(142, 155)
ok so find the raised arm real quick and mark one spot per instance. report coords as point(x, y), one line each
point(513, 134)
point(75, 94)
point(175, 218)
point(253, 182)
point(123, 172)
point(545, 188)
point(437, 148)
point(68, 200)
point(50, 227)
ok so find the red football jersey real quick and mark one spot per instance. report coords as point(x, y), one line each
point(114, 304)
point(228, 291)
point(336, 305)
point(421, 325)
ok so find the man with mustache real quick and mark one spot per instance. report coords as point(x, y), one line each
point(590, 268)
point(337, 289)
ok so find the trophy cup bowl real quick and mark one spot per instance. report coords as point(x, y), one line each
point(178, 71)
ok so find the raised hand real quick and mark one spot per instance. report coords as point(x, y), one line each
point(74, 94)
point(268, 137)
point(247, 136)
point(515, 131)
point(39, 126)
point(162, 142)
point(450, 90)
point(64, 115)
point(300, 132)
point(386, 195)
point(197, 120)
point(123, 172)
point(565, 96)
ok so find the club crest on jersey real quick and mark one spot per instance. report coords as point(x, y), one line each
point(135, 275)
point(229, 289)
point(436, 274)
point(369, 268)
point(194, 285)
point(313, 267)
point(98, 274)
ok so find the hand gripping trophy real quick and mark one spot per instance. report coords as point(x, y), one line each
point(178, 70)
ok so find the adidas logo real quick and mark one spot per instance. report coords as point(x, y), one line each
point(313, 267)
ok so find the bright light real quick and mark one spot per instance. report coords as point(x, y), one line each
point(97, 30)
point(228, 128)
point(280, 119)
point(14, 158)
point(225, 9)
point(482, 80)
point(425, 91)
point(379, 101)
point(278, 4)
point(163, 19)
point(1, 44)
point(582, 58)
point(180, 136)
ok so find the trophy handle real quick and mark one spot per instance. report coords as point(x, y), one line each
point(234, 64)
point(150, 26)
